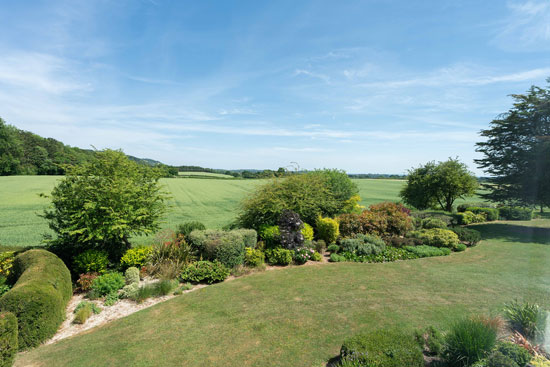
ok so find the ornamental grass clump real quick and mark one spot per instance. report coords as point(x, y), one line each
point(529, 319)
point(468, 341)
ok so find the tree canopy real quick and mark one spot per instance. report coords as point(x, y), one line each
point(516, 151)
point(438, 184)
point(100, 204)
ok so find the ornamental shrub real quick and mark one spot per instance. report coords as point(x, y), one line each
point(334, 248)
point(224, 246)
point(320, 246)
point(428, 251)
point(527, 318)
point(8, 338)
point(436, 237)
point(6, 262)
point(250, 236)
point(83, 314)
point(39, 297)
point(129, 291)
point(515, 213)
point(327, 229)
point(317, 256)
point(205, 272)
point(399, 242)
point(460, 247)
point(106, 283)
point(382, 348)
point(91, 261)
point(540, 361)
point(271, 236)
point(85, 281)
point(254, 257)
point(467, 218)
point(111, 299)
point(335, 258)
point(137, 256)
point(429, 223)
point(186, 228)
point(278, 256)
point(468, 236)
point(491, 214)
point(497, 359)
point(95, 308)
point(363, 245)
point(468, 341)
point(302, 255)
point(517, 353)
point(307, 232)
point(170, 254)
point(463, 207)
point(131, 275)
point(390, 219)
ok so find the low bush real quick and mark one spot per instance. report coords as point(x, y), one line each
point(467, 218)
point(460, 247)
point(6, 262)
point(137, 256)
point(382, 348)
point(518, 354)
point(186, 228)
point(430, 341)
point(515, 213)
point(388, 255)
point(468, 341)
point(205, 272)
point(111, 299)
point(278, 256)
point(497, 359)
point(183, 288)
point(224, 246)
point(8, 338)
point(302, 255)
point(428, 251)
point(254, 257)
point(316, 256)
point(463, 207)
point(39, 297)
point(91, 261)
point(363, 245)
point(491, 214)
point(400, 242)
point(389, 219)
point(170, 254)
point(526, 318)
point(430, 223)
point(85, 281)
point(129, 291)
point(131, 275)
point(334, 248)
point(105, 284)
point(468, 236)
point(271, 236)
point(335, 258)
point(327, 229)
point(95, 308)
point(540, 361)
point(320, 246)
point(82, 314)
point(157, 289)
point(250, 236)
point(436, 237)
point(307, 232)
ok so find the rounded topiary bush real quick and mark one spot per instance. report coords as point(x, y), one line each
point(39, 297)
point(382, 348)
point(8, 338)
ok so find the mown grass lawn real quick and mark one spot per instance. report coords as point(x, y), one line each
point(299, 316)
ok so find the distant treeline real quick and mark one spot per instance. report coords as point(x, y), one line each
point(377, 175)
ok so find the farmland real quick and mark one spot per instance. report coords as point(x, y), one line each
point(298, 316)
point(214, 202)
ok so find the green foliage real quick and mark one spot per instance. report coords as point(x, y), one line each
point(250, 236)
point(95, 308)
point(170, 255)
point(205, 272)
point(440, 183)
point(137, 256)
point(39, 297)
point(85, 281)
point(382, 348)
point(460, 247)
point(278, 256)
point(388, 255)
point(8, 338)
point(183, 288)
point(400, 242)
point(130, 291)
point(186, 228)
point(497, 359)
point(540, 361)
point(131, 275)
point(307, 232)
point(254, 257)
point(224, 246)
point(320, 246)
point(363, 245)
point(107, 283)
point(527, 318)
point(491, 214)
point(157, 289)
point(270, 235)
point(111, 299)
point(335, 258)
point(468, 341)
point(430, 341)
point(467, 235)
point(82, 315)
point(102, 203)
point(468, 217)
point(310, 195)
point(515, 213)
point(516, 149)
point(430, 223)
point(327, 229)
point(428, 251)
point(91, 261)
point(334, 248)
point(6, 262)
point(383, 219)
point(302, 255)
point(436, 237)
point(517, 353)
point(316, 256)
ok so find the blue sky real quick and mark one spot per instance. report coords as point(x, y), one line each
point(366, 86)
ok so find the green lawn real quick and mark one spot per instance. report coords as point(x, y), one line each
point(214, 202)
point(299, 316)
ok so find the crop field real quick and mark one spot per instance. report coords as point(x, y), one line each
point(204, 175)
point(211, 201)
point(299, 316)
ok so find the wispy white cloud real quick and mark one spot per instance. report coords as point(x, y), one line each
point(323, 77)
point(527, 27)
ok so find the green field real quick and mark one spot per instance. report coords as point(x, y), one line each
point(213, 202)
point(299, 316)
point(204, 175)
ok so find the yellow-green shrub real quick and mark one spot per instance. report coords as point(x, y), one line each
point(307, 232)
point(6, 262)
point(540, 361)
point(327, 229)
point(254, 257)
point(136, 256)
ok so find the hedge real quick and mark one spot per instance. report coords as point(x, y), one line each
point(515, 213)
point(8, 338)
point(490, 213)
point(225, 246)
point(39, 297)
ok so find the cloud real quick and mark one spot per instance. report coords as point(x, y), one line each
point(311, 74)
point(527, 28)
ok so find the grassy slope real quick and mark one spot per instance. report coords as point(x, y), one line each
point(205, 175)
point(299, 316)
point(213, 202)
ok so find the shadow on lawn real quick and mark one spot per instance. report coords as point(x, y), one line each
point(514, 233)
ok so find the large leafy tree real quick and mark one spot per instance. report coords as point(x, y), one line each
point(438, 184)
point(102, 203)
point(516, 151)
point(11, 150)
